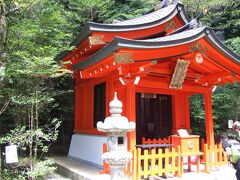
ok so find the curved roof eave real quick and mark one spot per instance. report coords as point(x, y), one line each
point(116, 43)
point(212, 38)
point(143, 22)
point(167, 41)
point(80, 38)
point(149, 20)
point(103, 53)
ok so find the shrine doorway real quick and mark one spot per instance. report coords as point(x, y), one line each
point(153, 116)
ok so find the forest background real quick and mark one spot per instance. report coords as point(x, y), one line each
point(36, 94)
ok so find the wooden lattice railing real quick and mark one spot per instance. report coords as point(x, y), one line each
point(155, 162)
point(168, 160)
point(214, 156)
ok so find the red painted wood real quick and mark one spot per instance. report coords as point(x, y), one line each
point(78, 109)
point(209, 118)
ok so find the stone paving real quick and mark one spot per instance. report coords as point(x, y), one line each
point(75, 170)
point(55, 176)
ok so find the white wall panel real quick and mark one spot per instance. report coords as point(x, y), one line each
point(87, 148)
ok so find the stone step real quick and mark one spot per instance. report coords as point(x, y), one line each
point(76, 170)
point(55, 176)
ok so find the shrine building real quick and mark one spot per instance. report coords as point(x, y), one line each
point(155, 63)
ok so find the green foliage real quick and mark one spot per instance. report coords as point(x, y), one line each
point(226, 104)
point(81, 11)
point(42, 168)
point(84, 10)
point(221, 14)
point(36, 33)
point(197, 114)
point(41, 138)
point(120, 11)
point(234, 44)
point(21, 134)
point(195, 7)
point(21, 171)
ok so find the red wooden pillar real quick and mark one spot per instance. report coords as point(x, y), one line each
point(131, 112)
point(77, 102)
point(208, 117)
point(181, 114)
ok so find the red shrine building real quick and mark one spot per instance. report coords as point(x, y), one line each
point(155, 63)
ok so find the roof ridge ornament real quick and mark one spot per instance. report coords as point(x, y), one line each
point(193, 24)
point(166, 3)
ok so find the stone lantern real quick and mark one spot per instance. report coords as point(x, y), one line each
point(116, 127)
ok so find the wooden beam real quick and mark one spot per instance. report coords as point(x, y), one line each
point(97, 72)
point(236, 77)
point(218, 75)
point(141, 68)
point(168, 71)
point(199, 68)
point(161, 82)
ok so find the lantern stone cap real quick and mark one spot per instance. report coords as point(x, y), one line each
point(116, 122)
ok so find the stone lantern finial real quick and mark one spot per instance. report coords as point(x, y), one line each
point(115, 106)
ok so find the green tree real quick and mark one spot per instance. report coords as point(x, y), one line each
point(35, 35)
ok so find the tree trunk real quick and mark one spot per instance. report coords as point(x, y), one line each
point(31, 139)
point(36, 121)
point(5, 105)
point(3, 41)
point(3, 49)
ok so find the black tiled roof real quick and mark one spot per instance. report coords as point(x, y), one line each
point(143, 22)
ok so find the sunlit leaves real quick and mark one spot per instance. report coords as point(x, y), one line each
point(234, 44)
point(221, 14)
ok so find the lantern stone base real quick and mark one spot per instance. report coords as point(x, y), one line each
point(117, 161)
